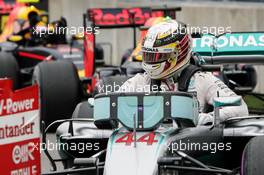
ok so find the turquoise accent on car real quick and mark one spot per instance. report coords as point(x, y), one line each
point(111, 140)
point(153, 110)
point(102, 108)
point(243, 43)
point(163, 138)
point(203, 45)
point(127, 107)
point(182, 107)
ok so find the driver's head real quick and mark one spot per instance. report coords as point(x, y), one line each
point(33, 18)
point(26, 12)
point(166, 49)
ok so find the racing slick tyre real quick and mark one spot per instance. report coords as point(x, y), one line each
point(252, 159)
point(83, 110)
point(9, 68)
point(60, 89)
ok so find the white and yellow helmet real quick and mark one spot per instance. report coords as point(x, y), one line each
point(166, 49)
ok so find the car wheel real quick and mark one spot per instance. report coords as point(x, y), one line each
point(83, 110)
point(9, 68)
point(60, 89)
point(252, 159)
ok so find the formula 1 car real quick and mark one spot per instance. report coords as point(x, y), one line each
point(158, 136)
point(25, 57)
point(135, 133)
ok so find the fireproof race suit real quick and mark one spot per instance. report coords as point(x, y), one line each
point(205, 84)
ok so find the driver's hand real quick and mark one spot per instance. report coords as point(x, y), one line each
point(205, 119)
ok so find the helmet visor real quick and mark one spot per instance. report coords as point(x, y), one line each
point(150, 57)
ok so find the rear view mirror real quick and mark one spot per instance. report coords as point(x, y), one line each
point(102, 114)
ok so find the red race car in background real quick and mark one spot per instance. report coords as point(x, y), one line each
point(23, 51)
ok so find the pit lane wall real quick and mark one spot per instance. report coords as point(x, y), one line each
point(19, 130)
point(238, 16)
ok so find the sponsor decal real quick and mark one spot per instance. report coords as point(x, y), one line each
point(9, 106)
point(148, 49)
point(19, 130)
point(231, 41)
point(122, 16)
point(128, 139)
